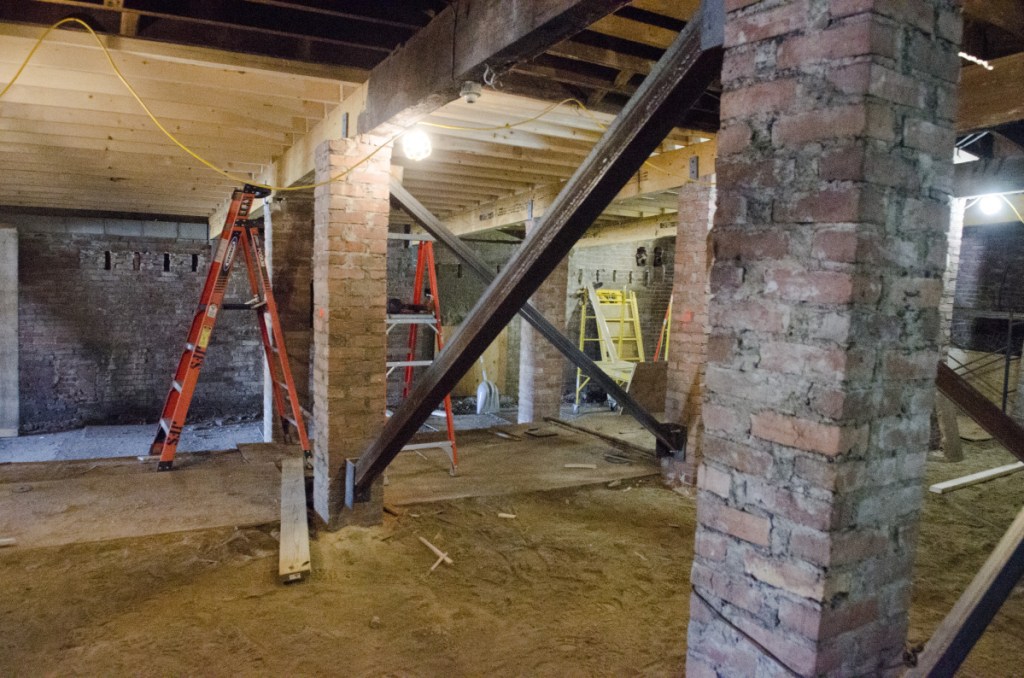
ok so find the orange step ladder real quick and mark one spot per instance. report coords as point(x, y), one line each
point(238, 235)
point(430, 318)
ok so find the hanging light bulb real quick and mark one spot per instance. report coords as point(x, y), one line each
point(990, 204)
point(416, 144)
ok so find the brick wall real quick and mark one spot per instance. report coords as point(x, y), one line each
point(103, 319)
point(292, 276)
point(689, 336)
point(834, 173)
point(616, 266)
point(349, 310)
point(991, 278)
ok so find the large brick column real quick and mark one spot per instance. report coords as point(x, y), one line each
point(834, 173)
point(349, 302)
point(688, 343)
point(541, 366)
point(289, 249)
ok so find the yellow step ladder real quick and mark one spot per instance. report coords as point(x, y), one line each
point(619, 335)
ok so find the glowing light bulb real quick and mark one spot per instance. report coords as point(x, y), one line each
point(990, 204)
point(416, 144)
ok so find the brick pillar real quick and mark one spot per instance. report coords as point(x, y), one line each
point(688, 343)
point(945, 430)
point(289, 247)
point(9, 402)
point(349, 301)
point(834, 173)
point(541, 366)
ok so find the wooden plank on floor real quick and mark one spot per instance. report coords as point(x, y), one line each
point(102, 507)
point(975, 478)
point(293, 564)
point(960, 630)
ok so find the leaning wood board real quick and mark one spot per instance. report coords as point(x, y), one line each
point(293, 564)
point(975, 478)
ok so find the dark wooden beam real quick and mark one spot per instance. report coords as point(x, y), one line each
point(1006, 14)
point(460, 42)
point(1008, 432)
point(690, 64)
point(996, 175)
point(991, 98)
point(960, 630)
point(464, 253)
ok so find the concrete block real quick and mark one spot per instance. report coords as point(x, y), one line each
point(38, 224)
point(160, 229)
point(9, 396)
point(87, 226)
point(122, 227)
point(194, 231)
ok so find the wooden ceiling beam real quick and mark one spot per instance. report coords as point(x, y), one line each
point(429, 69)
point(682, 10)
point(634, 31)
point(991, 98)
point(241, 23)
point(68, 59)
point(203, 57)
point(1005, 14)
point(661, 173)
point(116, 104)
point(52, 116)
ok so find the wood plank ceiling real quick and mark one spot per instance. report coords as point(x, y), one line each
point(240, 80)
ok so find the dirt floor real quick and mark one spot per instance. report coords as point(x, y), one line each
point(583, 581)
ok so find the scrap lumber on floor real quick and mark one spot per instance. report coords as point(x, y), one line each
point(293, 562)
point(975, 478)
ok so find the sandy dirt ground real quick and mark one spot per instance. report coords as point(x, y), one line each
point(589, 581)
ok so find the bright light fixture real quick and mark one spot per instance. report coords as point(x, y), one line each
point(416, 144)
point(990, 204)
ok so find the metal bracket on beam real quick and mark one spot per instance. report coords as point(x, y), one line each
point(677, 434)
point(354, 495)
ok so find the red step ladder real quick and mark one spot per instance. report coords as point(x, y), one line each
point(431, 318)
point(238, 235)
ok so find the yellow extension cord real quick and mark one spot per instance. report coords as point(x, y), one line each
point(243, 180)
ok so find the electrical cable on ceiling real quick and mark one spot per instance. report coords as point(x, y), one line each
point(579, 105)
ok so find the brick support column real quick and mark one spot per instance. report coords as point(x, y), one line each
point(289, 248)
point(541, 366)
point(834, 174)
point(9, 401)
point(687, 352)
point(945, 430)
point(349, 300)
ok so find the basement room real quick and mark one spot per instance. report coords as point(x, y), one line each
point(512, 338)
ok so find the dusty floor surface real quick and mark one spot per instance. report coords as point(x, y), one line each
point(583, 582)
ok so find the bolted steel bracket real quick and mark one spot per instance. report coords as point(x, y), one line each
point(677, 434)
point(352, 495)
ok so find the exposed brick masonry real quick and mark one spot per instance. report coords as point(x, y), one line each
point(834, 174)
point(541, 365)
point(349, 307)
point(689, 335)
point(99, 345)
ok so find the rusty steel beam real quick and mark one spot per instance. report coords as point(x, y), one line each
point(688, 67)
point(667, 434)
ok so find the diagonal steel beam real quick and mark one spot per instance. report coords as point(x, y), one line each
point(689, 65)
point(432, 225)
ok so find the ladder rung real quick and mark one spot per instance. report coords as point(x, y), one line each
point(414, 237)
point(165, 425)
point(409, 363)
point(176, 385)
point(291, 420)
point(283, 384)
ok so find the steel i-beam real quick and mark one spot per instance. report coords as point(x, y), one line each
point(689, 65)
